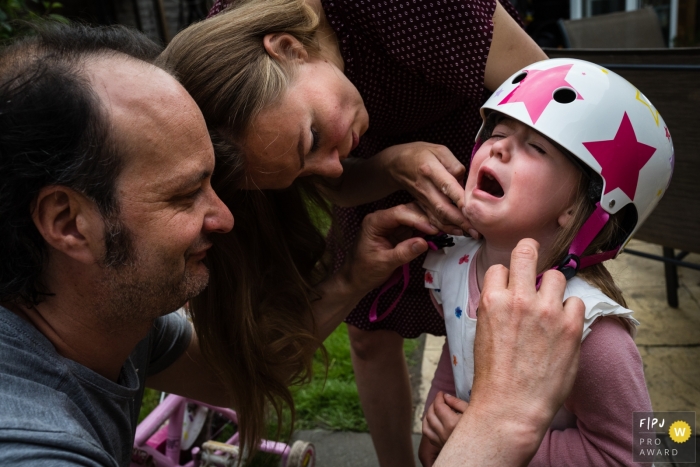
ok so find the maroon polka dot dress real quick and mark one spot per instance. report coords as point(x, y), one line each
point(419, 66)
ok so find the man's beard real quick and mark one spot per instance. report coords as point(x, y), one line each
point(135, 291)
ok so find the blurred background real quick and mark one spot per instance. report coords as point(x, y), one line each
point(162, 19)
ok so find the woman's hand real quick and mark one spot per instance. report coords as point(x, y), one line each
point(442, 417)
point(387, 240)
point(433, 175)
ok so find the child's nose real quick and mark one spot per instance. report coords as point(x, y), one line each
point(502, 148)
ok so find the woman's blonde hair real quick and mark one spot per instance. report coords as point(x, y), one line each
point(254, 320)
point(223, 64)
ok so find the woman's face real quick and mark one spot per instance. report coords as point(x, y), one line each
point(313, 127)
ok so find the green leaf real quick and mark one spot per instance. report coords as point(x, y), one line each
point(59, 18)
point(56, 5)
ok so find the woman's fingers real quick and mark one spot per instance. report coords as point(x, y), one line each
point(433, 175)
point(383, 245)
point(442, 197)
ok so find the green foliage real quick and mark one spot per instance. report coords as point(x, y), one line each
point(332, 402)
point(15, 13)
point(151, 398)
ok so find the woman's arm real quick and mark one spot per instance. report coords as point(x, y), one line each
point(511, 49)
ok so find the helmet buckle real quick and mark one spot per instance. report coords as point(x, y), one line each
point(566, 268)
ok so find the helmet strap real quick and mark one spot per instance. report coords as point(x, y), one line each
point(573, 261)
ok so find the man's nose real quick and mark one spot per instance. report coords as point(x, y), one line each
point(219, 218)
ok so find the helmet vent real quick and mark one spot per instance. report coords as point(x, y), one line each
point(564, 95)
point(520, 77)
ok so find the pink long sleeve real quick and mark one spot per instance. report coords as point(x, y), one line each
point(609, 386)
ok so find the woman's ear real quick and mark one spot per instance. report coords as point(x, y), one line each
point(69, 222)
point(283, 46)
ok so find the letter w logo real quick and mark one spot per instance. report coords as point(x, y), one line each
point(680, 432)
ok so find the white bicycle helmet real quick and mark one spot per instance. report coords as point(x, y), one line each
point(605, 123)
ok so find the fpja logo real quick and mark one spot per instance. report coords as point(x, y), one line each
point(664, 437)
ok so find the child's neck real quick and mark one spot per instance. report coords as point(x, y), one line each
point(492, 253)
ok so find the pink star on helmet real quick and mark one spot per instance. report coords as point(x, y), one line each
point(621, 158)
point(536, 90)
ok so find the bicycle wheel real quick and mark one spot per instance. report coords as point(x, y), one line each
point(302, 454)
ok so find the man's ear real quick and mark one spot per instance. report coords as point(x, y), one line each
point(69, 223)
point(284, 47)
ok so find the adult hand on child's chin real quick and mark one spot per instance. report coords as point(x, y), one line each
point(525, 361)
point(386, 241)
point(433, 175)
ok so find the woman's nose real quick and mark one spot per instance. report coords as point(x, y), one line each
point(328, 166)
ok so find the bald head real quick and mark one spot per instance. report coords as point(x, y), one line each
point(148, 110)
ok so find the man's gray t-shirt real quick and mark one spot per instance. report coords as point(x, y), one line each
point(56, 412)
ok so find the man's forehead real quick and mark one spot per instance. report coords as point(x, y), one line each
point(154, 122)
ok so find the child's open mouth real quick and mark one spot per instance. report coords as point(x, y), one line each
point(490, 185)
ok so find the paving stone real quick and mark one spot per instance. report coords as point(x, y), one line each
point(344, 449)
point(661, 324)
point(673, 377)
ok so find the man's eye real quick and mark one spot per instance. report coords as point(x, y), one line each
point(538, 149)
point(192, 195)
point(497, 136)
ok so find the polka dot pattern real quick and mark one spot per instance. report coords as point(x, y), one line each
point(419, 66)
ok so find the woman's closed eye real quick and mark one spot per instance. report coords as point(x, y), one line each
point(314, 140)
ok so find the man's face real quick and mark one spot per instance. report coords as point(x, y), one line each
point(167, 207)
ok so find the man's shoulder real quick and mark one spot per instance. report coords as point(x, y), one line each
point(39, 422)
point(25, 354)
point(31, 377)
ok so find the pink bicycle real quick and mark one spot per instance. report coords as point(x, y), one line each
point(161, 444)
